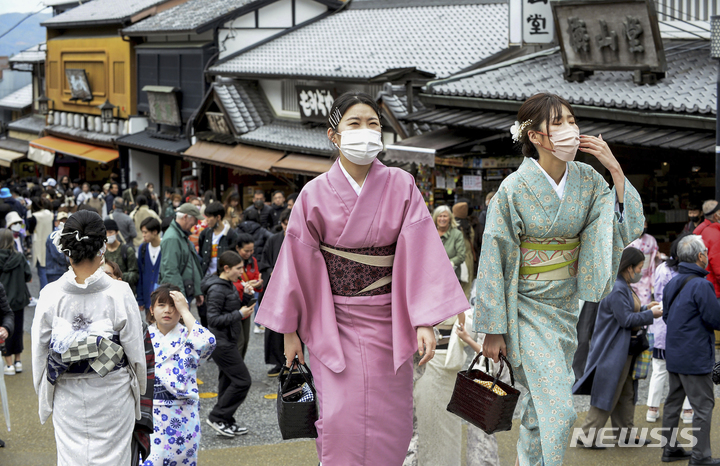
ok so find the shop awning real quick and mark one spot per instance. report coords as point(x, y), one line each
point(303, 165)
point(39, 148)
point(9, 156)
point(423, 148)
point(255, 159)
point(12, 149)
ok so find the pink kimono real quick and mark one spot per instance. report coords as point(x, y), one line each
point(648, 245)
point(361, 343)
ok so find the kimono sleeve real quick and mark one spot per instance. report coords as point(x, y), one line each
point(132, 340)
point(199, 345)
point(299, 298)
point(604, 237)
point(425, 289)
point(499, 264)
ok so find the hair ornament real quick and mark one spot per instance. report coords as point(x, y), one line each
point(57, 234)
point(335, 118)
point(517, 129)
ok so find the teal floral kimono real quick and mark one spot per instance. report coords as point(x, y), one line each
point(540, 255)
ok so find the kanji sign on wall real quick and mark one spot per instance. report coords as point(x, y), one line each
point(315, 102)
point(538, 26)
point(609, 35)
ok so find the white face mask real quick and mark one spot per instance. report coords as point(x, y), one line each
point(16, 227)
point(361, 146)
point(111, 239)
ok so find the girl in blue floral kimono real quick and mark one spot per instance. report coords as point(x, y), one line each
point(179, 349)
point(555, 232)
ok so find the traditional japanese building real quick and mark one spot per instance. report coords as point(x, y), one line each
point(90, 88)
point(364, 46)
point(659, 122)
point(174, 49)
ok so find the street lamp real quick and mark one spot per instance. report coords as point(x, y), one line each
point(44, 104)
point(715, 53)
point(107, 111)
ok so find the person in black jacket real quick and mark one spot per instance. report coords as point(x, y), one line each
point(15, 273)
point(276, 208)
point(7, 324)
point(216, 238)
point(251, 226)
point(274, 342)
point(225, 311)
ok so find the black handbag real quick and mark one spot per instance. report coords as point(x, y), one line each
point(639, 343)
point(296, 419)
point(482, 406)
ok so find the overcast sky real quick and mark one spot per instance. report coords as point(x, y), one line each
point(23, 6)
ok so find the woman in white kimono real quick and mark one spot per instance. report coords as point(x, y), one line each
point(88, 352)
point(554, 234)
point(361, 278)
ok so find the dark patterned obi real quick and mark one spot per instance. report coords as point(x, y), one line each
point(359, 272)
point(107, 356)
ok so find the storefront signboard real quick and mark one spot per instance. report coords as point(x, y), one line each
point(472, 183)
point(315, 102)
point(621, 35)
point(538, 26)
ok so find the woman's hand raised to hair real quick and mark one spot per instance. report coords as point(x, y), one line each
point(183, 308)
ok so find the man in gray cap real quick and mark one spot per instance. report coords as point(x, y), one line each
point(179, 262)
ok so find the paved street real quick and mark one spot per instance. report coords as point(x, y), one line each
point(32, 444)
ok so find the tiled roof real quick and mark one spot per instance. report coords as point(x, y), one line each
point(244, 105)
point(89, 136)
point(18, 100)
point(395, 98)
point(31, 124)
point(101, 12)
point(291, 136)
point(187, 16)
point(689, 86)
point(13, 144)
point(146, 140)
point(613, 132)
point(439, 39)
point(34, 54)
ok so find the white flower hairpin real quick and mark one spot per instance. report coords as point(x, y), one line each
point(517, 129)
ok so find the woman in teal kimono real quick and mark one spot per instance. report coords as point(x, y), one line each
point(555, 232)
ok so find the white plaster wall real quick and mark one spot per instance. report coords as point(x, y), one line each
point(308, 9)
point(273, 92)
point(242, 38)
point(276, 15)
point(144, 168)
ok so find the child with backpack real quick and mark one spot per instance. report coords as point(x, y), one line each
point(225, 312)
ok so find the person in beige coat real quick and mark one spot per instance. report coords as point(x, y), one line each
point(141, 212)
point(42, 225)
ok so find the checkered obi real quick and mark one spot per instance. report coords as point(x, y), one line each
point(359, 272)
point(549, 258)
point(95, 353)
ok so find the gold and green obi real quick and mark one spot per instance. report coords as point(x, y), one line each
point(549, 258)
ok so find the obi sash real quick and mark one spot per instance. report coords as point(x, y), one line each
point(105, 356)
point(549, 258)
point(359, 272)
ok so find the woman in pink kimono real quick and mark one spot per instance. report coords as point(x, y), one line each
point(648, 245)
point(361, 279)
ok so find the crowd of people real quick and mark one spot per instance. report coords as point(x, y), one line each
point(168, 254)
point(354, 279)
